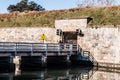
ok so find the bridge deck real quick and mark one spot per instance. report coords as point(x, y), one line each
point(31, 48)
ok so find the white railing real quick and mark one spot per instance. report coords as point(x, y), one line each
point(37, 47)
point(88, 57)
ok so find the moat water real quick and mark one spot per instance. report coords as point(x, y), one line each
point(76, 73)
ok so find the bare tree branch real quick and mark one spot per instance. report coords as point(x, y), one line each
point(106, 2)
point(84, 3)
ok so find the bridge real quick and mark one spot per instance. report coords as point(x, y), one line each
point(30, 49)
point(38, 55)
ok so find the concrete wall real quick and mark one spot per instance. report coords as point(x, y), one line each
point(27, 34)
point(107, 74)
point(103, 43)
point(67, 25)
point(70, 24)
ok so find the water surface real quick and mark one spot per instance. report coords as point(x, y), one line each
point(79, 73)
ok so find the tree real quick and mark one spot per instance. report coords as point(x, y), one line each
point(84, 3)
point(106, 2)
point(22, 6)
point(25, 5)
point(34, 6)
point(12, 8)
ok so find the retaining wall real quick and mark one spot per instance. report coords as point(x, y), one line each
point(104, 45)
point(27, 34)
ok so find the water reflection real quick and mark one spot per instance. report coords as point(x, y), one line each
point(65, 74)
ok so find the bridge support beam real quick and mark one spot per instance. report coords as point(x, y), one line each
point(6, 64)
point(32, 62)
point(57, 61)
point(16, 61)
point(79, 60)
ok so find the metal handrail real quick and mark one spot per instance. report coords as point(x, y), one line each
point(31, 47)
point(91, 58)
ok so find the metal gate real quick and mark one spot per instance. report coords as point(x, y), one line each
point(69, 37)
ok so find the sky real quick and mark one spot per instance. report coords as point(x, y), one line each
point(47, 4)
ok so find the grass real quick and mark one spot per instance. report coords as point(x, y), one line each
point(101, 16)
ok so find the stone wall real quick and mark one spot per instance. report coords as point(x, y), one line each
point(70, 24)
point(108, 74)
point(103, 43)
point(27, 34)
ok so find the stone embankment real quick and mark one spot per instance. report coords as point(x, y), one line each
point(27, 34)
point(103, 43)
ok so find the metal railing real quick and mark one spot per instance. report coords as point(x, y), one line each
point(37, 47)
point(89, 57)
